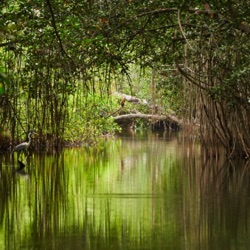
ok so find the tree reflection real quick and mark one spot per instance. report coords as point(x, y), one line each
point(224, 203)
point(155, 192)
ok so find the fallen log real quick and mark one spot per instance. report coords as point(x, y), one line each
point(166, 117)
point(130, 98)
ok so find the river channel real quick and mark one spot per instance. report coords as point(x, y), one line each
point(141, 190)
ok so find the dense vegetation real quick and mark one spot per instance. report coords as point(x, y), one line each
point(62, 60)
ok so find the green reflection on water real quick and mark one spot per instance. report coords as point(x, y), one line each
point(145, 191)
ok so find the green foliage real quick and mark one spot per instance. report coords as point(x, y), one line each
point(89, 121)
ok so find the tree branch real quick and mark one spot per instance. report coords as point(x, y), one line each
point(243, 26)
point(56, 30)
point(189, 77)
point(182, 31)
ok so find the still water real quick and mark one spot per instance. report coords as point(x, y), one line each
point(138, 191)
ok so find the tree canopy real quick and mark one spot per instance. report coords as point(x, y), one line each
point(60, 60)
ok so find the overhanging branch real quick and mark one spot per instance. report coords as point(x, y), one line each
point(56, 30)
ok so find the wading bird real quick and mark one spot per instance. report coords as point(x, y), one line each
point(24, 145)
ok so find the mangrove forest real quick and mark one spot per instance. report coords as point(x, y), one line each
point(77, 72)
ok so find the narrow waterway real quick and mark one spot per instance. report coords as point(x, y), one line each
point(138, 191)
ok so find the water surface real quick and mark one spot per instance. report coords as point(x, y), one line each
point(139, 191)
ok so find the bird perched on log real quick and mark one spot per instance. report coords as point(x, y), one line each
point(123, 102)
point(24, 145)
